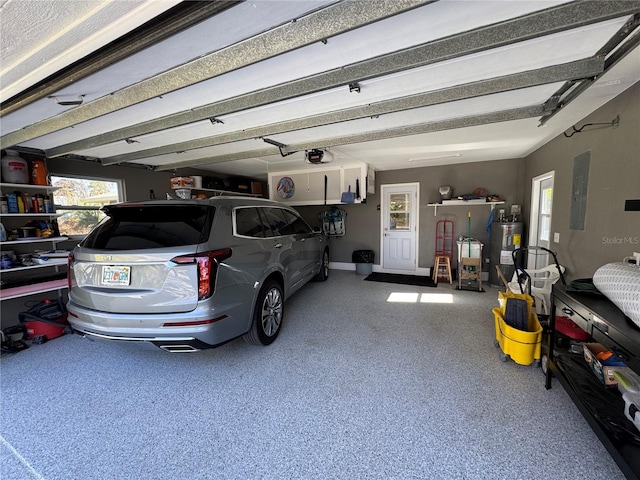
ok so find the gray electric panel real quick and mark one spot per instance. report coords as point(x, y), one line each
point(505, 238)
point(579, 191)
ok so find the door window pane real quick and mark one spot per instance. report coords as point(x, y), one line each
point(400, 206)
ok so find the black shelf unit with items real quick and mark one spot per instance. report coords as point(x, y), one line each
point(600, 405)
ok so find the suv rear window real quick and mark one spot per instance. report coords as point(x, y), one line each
point(139, 227)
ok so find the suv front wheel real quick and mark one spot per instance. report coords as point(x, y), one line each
point(267, 316)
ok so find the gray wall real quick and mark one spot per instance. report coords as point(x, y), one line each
point(501, 177)
point(614, 176)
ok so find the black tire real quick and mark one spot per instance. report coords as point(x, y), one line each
point(323, 274)
point(267, 316)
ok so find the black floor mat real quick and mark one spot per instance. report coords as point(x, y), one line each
point(402, 279)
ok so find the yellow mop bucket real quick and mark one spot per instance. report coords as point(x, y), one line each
point(523, 347)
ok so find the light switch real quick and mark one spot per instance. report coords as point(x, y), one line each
point(556, 237)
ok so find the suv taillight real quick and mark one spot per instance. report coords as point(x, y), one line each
point(207, 268)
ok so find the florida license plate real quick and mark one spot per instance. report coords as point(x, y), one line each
point(116, 275)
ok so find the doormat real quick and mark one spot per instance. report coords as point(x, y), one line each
point(402, 279)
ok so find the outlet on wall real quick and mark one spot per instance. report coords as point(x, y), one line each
point(556, 237)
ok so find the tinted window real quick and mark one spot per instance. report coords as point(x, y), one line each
point(294, 224)
point(151, 226)
point(248, 222)
point(273, 221)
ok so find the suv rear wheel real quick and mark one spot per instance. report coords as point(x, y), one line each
point(267, 316)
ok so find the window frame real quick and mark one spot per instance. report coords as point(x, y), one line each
point(85, 208)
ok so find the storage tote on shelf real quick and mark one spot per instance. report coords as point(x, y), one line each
point(522, 346)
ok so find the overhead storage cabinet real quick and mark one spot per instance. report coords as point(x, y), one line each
point(307, 186)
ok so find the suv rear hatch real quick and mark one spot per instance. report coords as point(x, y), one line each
point(142, 258)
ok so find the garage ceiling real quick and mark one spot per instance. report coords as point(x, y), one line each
point(245, 88)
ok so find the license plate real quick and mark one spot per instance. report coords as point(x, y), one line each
point(116, 275)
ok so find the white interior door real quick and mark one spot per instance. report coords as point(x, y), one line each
point(400, 227)
point(541, 207)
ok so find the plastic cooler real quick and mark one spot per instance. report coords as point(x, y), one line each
point(523, 347)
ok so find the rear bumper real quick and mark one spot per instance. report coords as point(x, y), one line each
point(152, 328)
point(174, 345)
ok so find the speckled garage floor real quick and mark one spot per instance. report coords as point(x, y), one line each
point(356, 386)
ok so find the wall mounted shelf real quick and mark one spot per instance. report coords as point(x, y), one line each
point(462, 203)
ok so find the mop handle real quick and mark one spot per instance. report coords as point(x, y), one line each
point(469, 228)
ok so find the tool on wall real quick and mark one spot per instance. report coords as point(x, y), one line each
point(333, 222)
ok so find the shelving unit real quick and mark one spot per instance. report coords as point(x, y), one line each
point(607, 325)
point(459, 203)
point(22, 245)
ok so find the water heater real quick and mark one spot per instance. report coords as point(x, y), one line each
point(505, 238)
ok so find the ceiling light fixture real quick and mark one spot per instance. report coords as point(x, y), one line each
point(438, 157)
point(68, 103)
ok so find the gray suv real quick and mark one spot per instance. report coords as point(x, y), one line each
point(192, 274)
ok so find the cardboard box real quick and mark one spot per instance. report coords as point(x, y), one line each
point(256, 188)
point(603, 372)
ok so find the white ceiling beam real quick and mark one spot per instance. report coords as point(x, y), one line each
point(330, 21)
point(558, 73)
point(553, 20)
point(475, 120)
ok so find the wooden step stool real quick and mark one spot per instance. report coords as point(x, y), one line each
point(442, 262)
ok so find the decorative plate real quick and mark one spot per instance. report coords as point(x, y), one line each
point(286, 188)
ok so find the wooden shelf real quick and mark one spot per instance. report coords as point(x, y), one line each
point(32, 289)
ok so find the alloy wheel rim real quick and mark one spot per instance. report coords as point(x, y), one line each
point(272, 312)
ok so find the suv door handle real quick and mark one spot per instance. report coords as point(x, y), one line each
point(277, 245)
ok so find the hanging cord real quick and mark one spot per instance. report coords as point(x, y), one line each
point(613, 123)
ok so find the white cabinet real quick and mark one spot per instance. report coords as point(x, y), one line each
point(43, 275)
point(319, 184)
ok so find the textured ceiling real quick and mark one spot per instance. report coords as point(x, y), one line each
point(248, 87)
